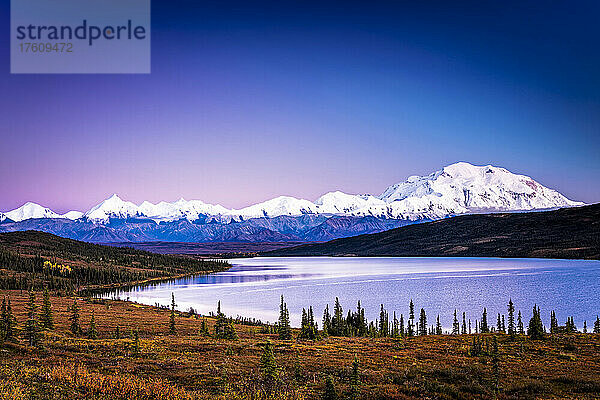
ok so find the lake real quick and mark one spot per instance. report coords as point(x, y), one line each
point(253, 286)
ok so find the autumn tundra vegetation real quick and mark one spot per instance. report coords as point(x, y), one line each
point(61, 341)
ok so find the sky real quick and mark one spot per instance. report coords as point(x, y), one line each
point(247, 101)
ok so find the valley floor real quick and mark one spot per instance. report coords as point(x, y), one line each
point(188, 365)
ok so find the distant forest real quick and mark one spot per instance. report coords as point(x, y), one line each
point(38, 259)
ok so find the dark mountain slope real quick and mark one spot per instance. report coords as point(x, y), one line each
point(564, 233)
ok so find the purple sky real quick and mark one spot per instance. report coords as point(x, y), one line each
point(247, 104)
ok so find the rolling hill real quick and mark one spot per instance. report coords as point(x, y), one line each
point(564, 233)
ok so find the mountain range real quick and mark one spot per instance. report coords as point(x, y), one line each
point(460, 188)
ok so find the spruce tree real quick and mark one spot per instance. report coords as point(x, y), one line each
point(220, 323)
point(464, 324)
point(74, 318)
point(402, 332)
point(383, 322)
point(204, 328)
point(326, 321)
point(284, 330)
point(438, 326)
point(229, 331)
point(395, 327)
point(337, 322)
point(32, 327)
point(92, 331)
point(536, 329)
point(330, 393)
point(584, 326)
point(553, 323)
point(520, 324)
point(483, 327)
point(597, 325)
point(455, 325)
point(268, 366)
point(499, 323)
point(172, 328)
point(422, 323)
point(354, 380)
point(511, 319)
point(46, 317)
point(314, 327)
point(10, 324)
point(411, 318)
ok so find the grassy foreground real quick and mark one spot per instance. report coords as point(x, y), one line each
point(189, 365)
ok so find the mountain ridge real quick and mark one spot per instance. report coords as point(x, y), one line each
point(459, 188)
point(570, 233)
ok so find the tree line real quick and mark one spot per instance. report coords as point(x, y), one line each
point(354, 323)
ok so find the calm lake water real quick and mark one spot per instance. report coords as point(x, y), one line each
point(254, 285)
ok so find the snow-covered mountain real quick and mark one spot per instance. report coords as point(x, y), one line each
point(459, 188)
point(31, 210)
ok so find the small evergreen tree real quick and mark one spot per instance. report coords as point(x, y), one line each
point(536, 329)
point(455, 325)
point(483, 327)
point(422, 323)
point(337, 321)
point(10, 324)
point(204, 328)
point(284, 330)
point(511, 319)
point(584, 326)
point(220, 323)
point(46, 317)
point(570, 325)
point(520, 324)
point(553, 322)
point(402, 331)
point(354, 380)
point(464, 324)
point(438, 326)
point(499, 323)
point(597, 325)
point(229, 331)
point(74, 318)
point(92, 331)
point(383, 322)
point(172, 328)
point(268, 366)
point(395, 327)
point(326, 321)
point(32, 327)
point(330, 393)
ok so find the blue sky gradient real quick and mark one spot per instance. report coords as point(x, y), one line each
point(247, 101)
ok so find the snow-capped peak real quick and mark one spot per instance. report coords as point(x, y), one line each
point(465, 188)
point(113, 207)
point(31, 210)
